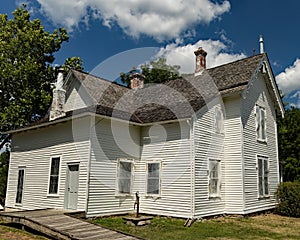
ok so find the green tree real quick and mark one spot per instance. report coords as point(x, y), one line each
point(157, 71)
point(26, 54)
point(4, 158)
point(289, 144)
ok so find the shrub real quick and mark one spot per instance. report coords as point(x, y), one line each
point(288, 197)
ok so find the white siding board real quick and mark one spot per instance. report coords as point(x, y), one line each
point(175, 155)
point(258, 94)
point(33, 150)
point(110, 140)
point(76, 96)
point(208, 145)
point(233, 172)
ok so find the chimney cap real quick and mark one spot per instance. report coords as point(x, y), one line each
point(137, 75)
point(200, 51)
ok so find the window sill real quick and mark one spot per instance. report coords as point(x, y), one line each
point(263, 197)
point(262, 141)
point(53, 196)
point(214, 197)
point(125, 195)
point(153, 196)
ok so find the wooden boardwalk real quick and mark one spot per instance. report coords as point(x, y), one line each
point(58, 225)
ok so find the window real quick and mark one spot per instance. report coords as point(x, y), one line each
point(260, 123)
point(214, 178)
point(20, 187)
point(124, 176)
point(219, 121)
point(54, 175)
point(263, 176)
point(153, 178)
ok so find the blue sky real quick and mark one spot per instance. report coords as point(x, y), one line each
point(106, 34)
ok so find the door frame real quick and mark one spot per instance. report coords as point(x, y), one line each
point(67, 184)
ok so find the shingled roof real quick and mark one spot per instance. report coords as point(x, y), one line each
point(175, 99)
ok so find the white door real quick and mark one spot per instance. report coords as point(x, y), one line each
point(72, 186)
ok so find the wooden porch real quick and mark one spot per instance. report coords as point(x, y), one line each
point(58, 225)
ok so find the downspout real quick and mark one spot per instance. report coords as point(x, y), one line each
point(192, 161)
point(243, 160)
point(89, 165)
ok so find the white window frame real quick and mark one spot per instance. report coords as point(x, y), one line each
point(49, 178)
point(23, 187)
point(261, 128)
point(118, 193)
point(216, 194)
point(262, 191)
point(159, 162)
point(219, 123)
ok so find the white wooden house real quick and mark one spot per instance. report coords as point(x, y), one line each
point(203, 144)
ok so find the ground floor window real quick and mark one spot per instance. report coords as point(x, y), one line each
point(214, 177)
point(263, 176)
point(20, 186)
point(54, 175)
point(153, 178)
point(125, 176)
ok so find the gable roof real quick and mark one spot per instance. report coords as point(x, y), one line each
point(175, 99)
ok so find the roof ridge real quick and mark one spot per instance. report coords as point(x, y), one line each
point(99, 78)
point(242, 59)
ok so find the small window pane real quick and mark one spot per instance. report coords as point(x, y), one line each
point(153, 173)
point(214, 177)
point(125, 175)
point(54, 176)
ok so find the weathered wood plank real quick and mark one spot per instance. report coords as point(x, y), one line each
point(59, 226)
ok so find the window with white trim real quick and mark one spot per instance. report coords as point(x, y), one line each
point(214, 177)
point(219, 121)
point(153, 178)
point(54, 175)
point(125, 176)
point(263, 176)
point(260, 123)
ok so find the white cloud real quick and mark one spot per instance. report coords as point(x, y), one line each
point(159, 19)
point(184, 55)
point(289, 80)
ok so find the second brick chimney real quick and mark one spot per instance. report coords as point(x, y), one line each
point(200, 60)
point(137, 81)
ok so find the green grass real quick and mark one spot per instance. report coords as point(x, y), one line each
point(258, 227)
point(10, 233)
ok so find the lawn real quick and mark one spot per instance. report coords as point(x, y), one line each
point(268, 226)
point(11, 233)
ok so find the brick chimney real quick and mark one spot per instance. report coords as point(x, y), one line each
point(137, 81)
point(58, 99)
point(200, 60)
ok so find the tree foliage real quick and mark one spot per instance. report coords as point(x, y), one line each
point(289, 144)
point(155, 72)
point(26, 54)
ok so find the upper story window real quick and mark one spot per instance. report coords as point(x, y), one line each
point(263, 176)
point(219, 121)
point(214, 177)
point(153, 178)
point(54, 175)
point(260, 123)
point(125, 176)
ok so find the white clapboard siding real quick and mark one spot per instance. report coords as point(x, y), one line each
point(258, 94)
point(33, 150)
point(208, 145)
point(76, 96)
point(174, 152)
point(110, 140)
point(233, 157)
